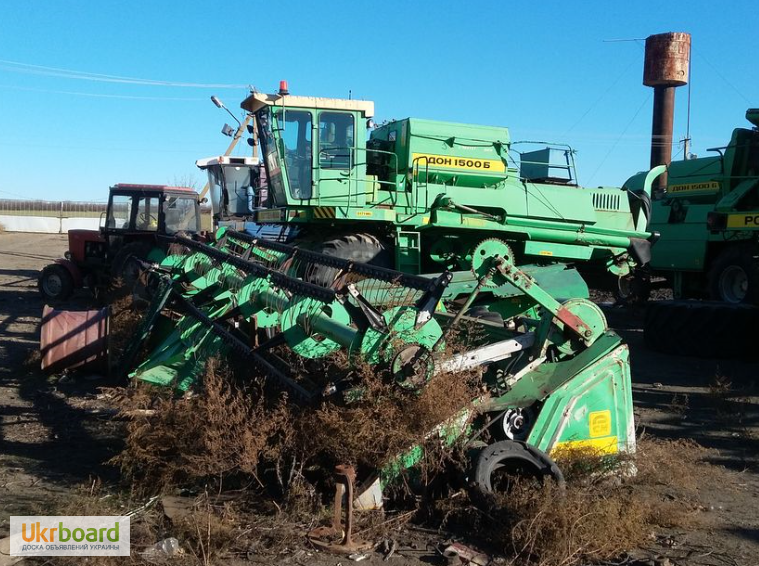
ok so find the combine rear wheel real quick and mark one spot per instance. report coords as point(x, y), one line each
point(702, 329)
point(364, 248)
point(734, 277)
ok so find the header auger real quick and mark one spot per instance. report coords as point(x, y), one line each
point(382, 316)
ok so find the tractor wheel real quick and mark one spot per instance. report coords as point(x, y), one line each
point(55, 283)
point(503, 463)
point(125, 273)
point(364, 248)
point(734, 276)
point(702, 329)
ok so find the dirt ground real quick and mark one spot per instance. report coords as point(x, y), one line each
point(56, 436)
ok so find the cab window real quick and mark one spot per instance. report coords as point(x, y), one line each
point(147, 214)
point(297, 141)
point(121, 212)
point(336, 135)
point(180, 215)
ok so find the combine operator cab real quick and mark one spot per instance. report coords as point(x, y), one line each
point(135, 218)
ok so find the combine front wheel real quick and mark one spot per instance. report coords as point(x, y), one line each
point(364, 248)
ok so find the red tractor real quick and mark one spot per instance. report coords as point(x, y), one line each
point(136, 216)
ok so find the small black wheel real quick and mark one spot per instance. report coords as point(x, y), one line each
point(499, 464)
point(634, 288)
point(734, 276)
point(55, 283)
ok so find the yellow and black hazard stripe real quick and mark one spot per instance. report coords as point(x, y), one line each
point(324, 212)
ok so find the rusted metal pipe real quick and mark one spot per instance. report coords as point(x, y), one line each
point(661, 129)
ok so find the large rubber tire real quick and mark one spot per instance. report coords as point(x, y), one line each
point(734, 275)
point(126, 271)
point(516, 459)
point(55, 283)
point(702, 329)
point(362, 247)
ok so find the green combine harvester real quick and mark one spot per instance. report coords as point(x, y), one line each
point(419, 196)
point(707, 215)
point(708, 218)
point(424, 231)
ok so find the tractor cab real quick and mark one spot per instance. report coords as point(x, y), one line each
point(136, 209)
point(136, 215)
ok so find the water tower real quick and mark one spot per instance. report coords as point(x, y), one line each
point(665, 68)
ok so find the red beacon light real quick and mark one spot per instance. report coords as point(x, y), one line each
point(283, 88)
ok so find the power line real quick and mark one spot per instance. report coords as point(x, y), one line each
point(603, 95)
point(630, 123)
point(97, 95)
point(720, 75)
point(28, 68)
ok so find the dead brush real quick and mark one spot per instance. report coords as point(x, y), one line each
point(125, 319)
point(222, 432)
point(591, 519)
point(387, 421)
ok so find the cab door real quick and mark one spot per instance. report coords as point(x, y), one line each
point(336, 160)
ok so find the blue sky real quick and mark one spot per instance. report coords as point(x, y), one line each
point(541, 68)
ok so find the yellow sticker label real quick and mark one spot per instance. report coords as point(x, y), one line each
point(452, 162)
point(599, 423)
point(743, 220)
point(608, 445)
point(364, 213)
point(472, 222)
point(711, 186)
point(545, 252)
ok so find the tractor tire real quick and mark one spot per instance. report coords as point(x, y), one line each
point(734, 276)
point(364, 248)
point(125, 273)
point(702, 329)
point(55, 283)
point(501, 463)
